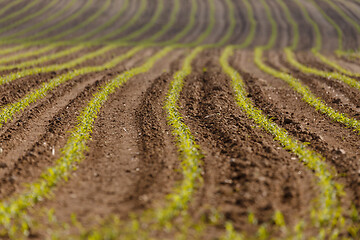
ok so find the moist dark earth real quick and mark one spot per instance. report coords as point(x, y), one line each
point(132, 161)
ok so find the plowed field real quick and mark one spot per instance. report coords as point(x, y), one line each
point(189, 119)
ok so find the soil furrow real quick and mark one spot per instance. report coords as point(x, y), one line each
point(15, 90)
point(201, 23)
point(350, 39)
point(263, 28)
point(339, 145)
point(24, 154)
point(242, 27)
point(335, 93)
point(245, 170)
point(285, 32)
point(113, 175)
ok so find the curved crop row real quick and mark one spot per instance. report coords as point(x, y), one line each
point(28, 72)
point(8, 112)
point(307, 95)
point(10, 5)
point(127, 25)
point(149, 24)
point(326, 213)
point(53, 46)
point(334, 75)
point(28, 17)
point(330, 216)
point(13, 211)
point(19, 12)
point(333, 23)
point(308, 70)
point(315, 26)
point(42, 59)
point(108, 23)
point(60, 24)
point(25, 54)
point(35, 26)
point(188, 27)
point(173, 16)
point(304, 91)
point(177, 202)
point(83, 23)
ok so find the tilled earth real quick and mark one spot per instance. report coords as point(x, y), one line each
point(132, 162)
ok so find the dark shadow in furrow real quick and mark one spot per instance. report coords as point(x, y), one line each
point(16, 89)
point(339, 146)
point(145, 17)
point(285, 32)
point(108, 176)
point(158, 154)
point(30, 49)
point(163, 19)
point(306, 33)
point(127, 15)
point(77, 21)
point(349, 11)
point(67, 14)
point(51, 11)
point(350, 39)
point(12, 10)
point(221, 23)
point(34, 156)
point(201, 22)
point(108, 14)
point(263, 28)
point(35, 8)
point(28, 167)
point(244, 168)
point(182, 19)
point(339, 96)
point(242, 27)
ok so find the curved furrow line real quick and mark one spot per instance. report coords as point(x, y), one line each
point(336, 94)
point(285, 34)
point(72, 153)
point(71, 64)
point(314, 71)
point(140, 10)
point(104, 26)
point(43, 33)
point(83, 23)
point(188, 27)
point(23, 150)
point(199, 27)
point(330, 20)
point(179, 199)
point(319, 105)
point(170, 22)
point(28, 17)
point(335, 143)
point(64, 52)
point(242, 26)
point(35, 26)
point(308, 70)
point(8, 6)
point(131, 175)
point(18, 12)
point(40, 60)
point(351, 9)
point(8, 112)
point(318, 37)
point(149, 24)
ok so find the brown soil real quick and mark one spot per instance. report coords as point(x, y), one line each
point(243, 166)
point(132, 161)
